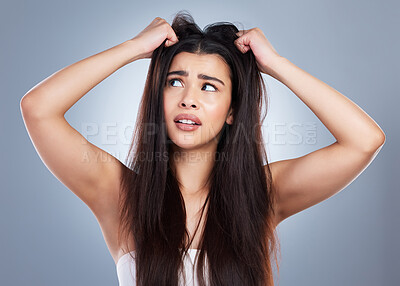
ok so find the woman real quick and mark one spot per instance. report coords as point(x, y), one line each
point(195, 180)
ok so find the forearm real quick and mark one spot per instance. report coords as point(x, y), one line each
point(60, 91)
point(347, 122)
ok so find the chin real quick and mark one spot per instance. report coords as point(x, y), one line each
point(184, 145)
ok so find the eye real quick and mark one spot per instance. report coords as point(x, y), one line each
point(216, 89)
point(170, 82)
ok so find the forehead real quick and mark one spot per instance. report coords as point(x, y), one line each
point(211, 64)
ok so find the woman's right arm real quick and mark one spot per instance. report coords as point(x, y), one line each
point(88, 171)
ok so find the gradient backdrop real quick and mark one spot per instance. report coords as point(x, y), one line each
point(50, 237)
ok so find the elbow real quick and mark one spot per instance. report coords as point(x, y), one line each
point(377, 141)
point(25, 106)
point(30, 107)
point(382, 139)
point(39, 106)
point(369, 144)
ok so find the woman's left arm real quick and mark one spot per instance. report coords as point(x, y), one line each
point(352, 127)
point(307, 180)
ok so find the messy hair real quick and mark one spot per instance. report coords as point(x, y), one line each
point(239, 236)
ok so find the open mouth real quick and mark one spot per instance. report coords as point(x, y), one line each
point(187, 126)
point(187, 122)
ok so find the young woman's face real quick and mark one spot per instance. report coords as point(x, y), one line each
point(190, 92)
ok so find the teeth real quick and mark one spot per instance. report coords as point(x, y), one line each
point(187, 121)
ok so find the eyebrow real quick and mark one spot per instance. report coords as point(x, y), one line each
point(200, 76)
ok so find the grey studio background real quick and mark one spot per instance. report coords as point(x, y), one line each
point(50, 237)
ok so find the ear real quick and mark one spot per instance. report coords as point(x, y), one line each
point(229, 118)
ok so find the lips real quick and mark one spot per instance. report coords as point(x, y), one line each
point(192, 117)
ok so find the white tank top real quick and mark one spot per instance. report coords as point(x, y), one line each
point(127, 274)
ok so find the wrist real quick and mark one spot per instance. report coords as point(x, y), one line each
point(133, 50)
point(275, 65)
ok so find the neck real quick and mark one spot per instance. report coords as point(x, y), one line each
point(192, 169)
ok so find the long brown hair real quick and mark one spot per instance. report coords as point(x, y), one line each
point(239, 235)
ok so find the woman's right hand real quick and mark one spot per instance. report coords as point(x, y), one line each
point(153, 36)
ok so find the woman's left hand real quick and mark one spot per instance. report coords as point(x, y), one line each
point(262, 49)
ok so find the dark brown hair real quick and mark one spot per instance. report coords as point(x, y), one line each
point(239, 235)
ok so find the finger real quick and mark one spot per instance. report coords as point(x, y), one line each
point(241, 46)
point(171, 38)
point(240, 33)
point(239, 42)
point(244, 48)
point(244, 40)
point(170, 42)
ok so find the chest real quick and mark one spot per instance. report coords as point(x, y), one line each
point(195, 223)
point(195, 227)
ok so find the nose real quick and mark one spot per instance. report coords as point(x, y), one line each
point(189, 101)
point(185, 103)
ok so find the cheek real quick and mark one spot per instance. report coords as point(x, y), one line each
point(168, 106)
point(215, 118)
point(216, 112)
